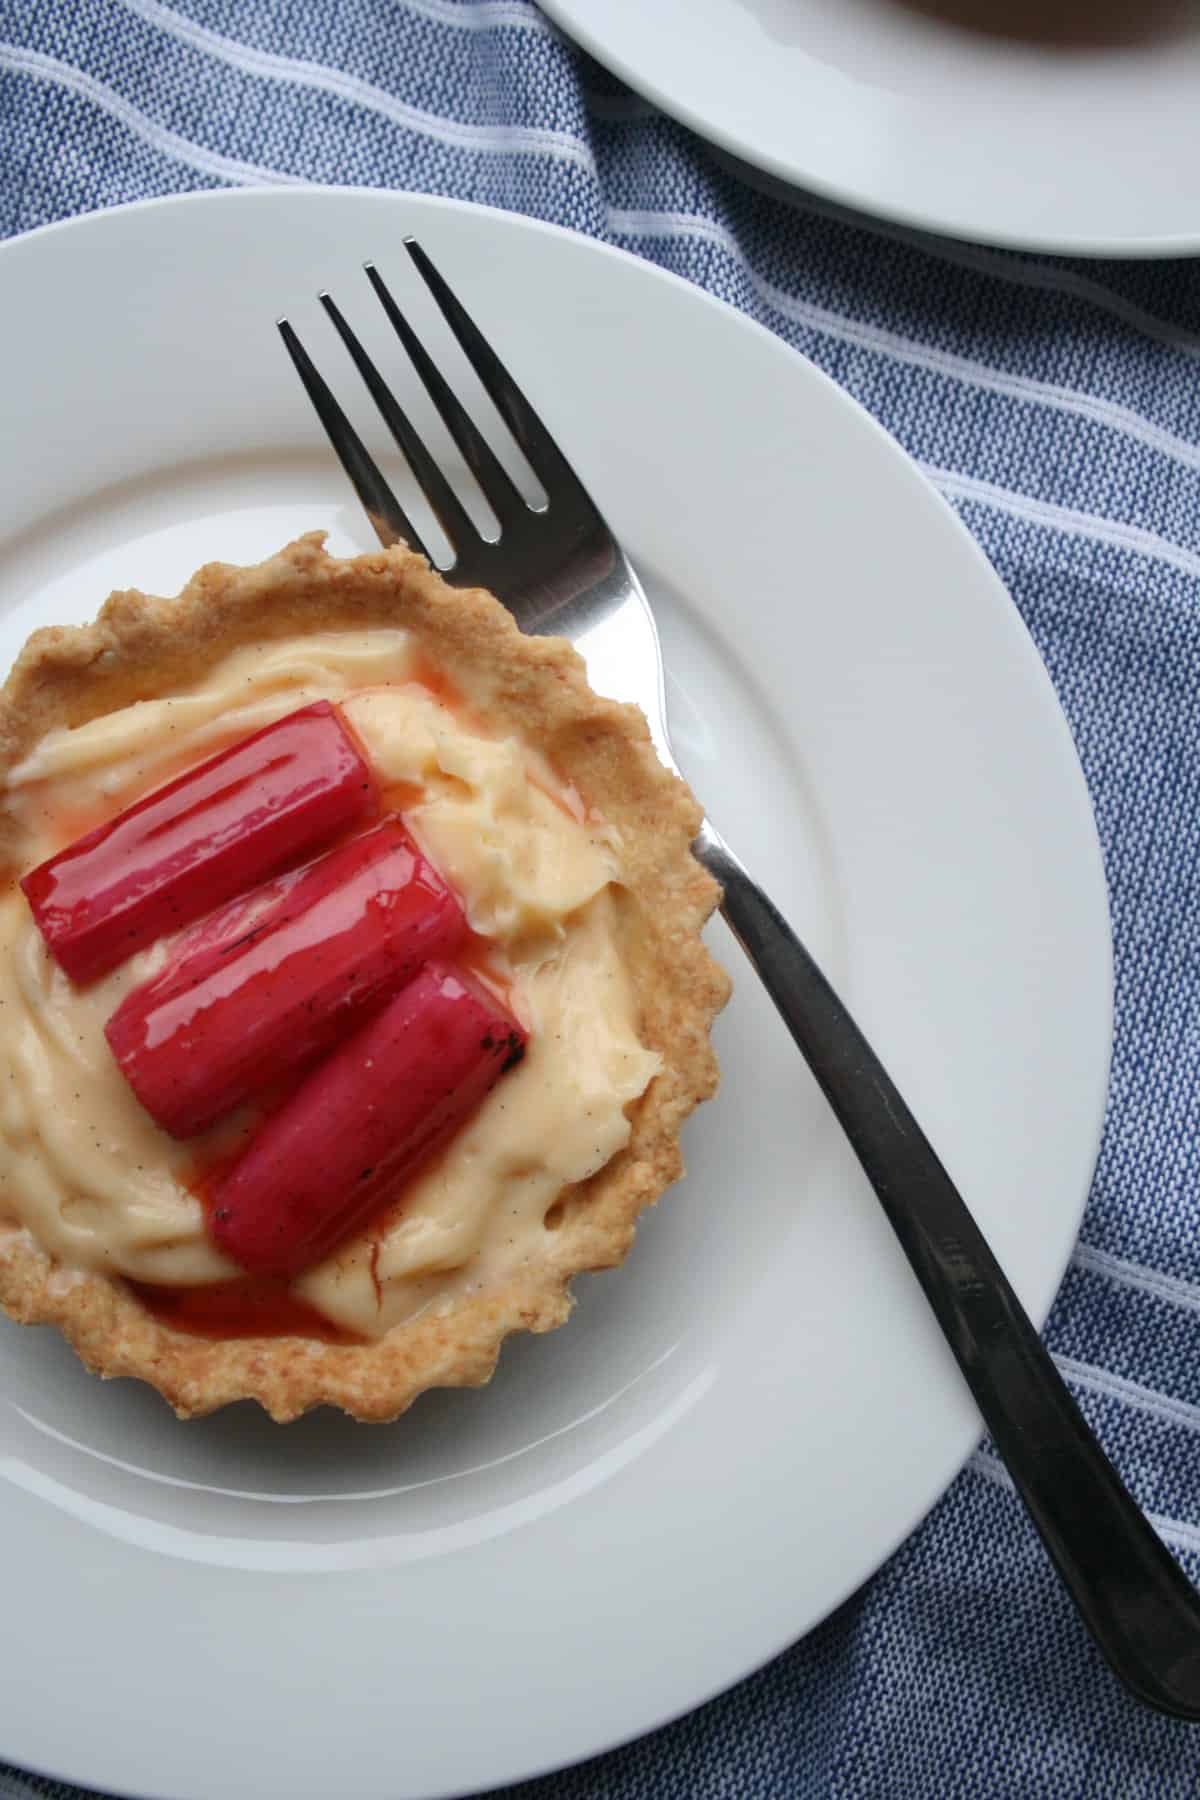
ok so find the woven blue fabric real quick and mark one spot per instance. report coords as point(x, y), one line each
point(1057, 405)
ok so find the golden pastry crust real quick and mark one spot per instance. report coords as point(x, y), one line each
point(142, 647)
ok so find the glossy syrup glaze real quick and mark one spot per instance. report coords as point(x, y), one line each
point(200, 839)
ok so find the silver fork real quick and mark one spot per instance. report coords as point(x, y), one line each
point(560, 570)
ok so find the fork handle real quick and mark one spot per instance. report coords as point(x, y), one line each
point(1140, 1608)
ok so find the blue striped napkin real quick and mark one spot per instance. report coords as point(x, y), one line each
point(1057, 405)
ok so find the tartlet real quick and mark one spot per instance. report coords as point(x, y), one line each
point(648, 904)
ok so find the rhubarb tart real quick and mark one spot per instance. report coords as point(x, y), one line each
point(351, 983)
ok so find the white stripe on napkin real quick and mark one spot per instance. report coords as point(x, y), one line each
point(997, 265)
point(1136, 1275)
point(1130, 1393)
point(909, 350)
point(355, 91)
point(208, 162)
point(1063, 518)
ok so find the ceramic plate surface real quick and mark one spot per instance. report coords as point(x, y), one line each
point(1066, 125)
point(737, 1428)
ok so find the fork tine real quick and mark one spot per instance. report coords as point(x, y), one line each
point(477, 453)
point(391, 523)
point(456, 521)
point(545, 457)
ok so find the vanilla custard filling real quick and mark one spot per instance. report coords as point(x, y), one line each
point(100, 1186)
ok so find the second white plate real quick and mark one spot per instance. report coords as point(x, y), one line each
point(1057, 126)
point(737, 1427)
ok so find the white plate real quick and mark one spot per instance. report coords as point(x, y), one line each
point(1088, 144)
point(737, 1428)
